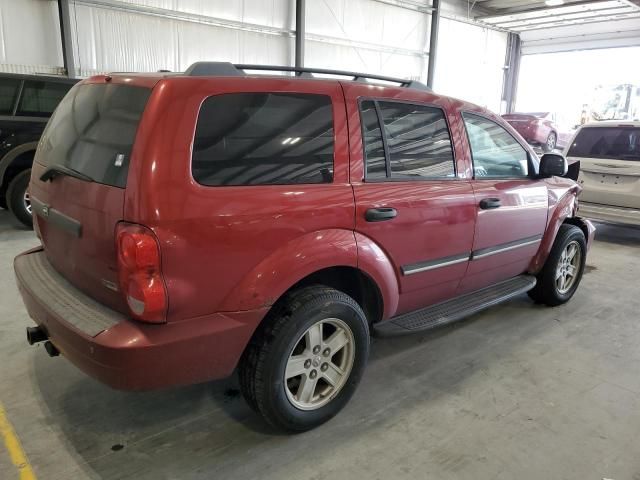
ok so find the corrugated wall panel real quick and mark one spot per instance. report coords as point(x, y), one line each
point(30, 37)
point(471, 69)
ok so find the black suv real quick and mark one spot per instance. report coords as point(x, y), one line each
point(26, 103)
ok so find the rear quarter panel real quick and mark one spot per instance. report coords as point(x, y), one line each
point(234, 247)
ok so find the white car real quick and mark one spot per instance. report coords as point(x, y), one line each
point(609, 156)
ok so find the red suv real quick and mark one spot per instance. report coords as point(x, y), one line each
point(196, 223)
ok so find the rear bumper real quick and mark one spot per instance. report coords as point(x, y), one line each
point(605, 213)
point(130, 355)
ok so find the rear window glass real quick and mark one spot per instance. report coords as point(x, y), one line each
point(8, 91)
point(92, 131)
point(264, 139)
point(40, 99)
point(607, 142)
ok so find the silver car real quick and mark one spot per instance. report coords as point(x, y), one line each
point(609, 156)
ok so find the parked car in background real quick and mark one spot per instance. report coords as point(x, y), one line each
point(609, 156)
point(26, 103)
point(215, 220)
point(538, 129)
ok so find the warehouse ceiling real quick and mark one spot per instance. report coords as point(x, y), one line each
point(521, 16)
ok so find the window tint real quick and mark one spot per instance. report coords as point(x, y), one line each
point(417, 141)
point(40, 99)
point(495, 152)
point(93, 130)
point(8, 91)
point(264, 138)
point(373, 146)
point(607, 142)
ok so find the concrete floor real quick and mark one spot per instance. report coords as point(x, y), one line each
point(517, 392)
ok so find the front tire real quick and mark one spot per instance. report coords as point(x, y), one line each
point(306, 360)
point(562, 272)
point(18, 198)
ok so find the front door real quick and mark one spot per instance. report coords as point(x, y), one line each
point(511, 204)
point(409, 199)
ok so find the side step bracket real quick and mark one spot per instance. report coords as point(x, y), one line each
point(455, 309)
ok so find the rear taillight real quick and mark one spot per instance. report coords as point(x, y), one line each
point(140, 273)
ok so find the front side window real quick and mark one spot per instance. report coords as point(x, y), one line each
point(494, 151)
point(40, 99)
point(8, 91)
point(264, 139)
point(415, 142)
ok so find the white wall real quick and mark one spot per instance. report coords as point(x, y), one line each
point(172, 34)
point(470, 63)
point(30, 36)
point(359, 35)
point(367, 36)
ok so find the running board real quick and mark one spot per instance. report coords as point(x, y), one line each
point(456, 309)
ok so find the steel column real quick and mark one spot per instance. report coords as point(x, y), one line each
point(433, 42)
point(511, 72)
point(65, 37)
point(300, 32)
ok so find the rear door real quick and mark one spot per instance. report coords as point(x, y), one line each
point(78, 182)
point(609, 164)
point(409, 198)
point(511, 204)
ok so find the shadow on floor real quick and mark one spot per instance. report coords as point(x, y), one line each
point(98, 423)
point(618, 234)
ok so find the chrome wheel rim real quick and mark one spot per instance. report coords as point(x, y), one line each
point(551, 142)
point(568, 267)
point(26, 200)
point(319, 364)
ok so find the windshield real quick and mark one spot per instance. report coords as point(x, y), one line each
point(92, 131)
point(607, 142)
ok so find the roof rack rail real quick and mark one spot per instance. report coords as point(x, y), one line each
point(229, 69)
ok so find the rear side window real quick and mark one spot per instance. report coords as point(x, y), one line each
point(607, 142)
point(8, 91)
point(264, 139)
point(40, 99)
point(494, 151)
point(415, 142)
point(93, 130)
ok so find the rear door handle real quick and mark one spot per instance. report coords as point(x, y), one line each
point(380, 214)
point(489, 203)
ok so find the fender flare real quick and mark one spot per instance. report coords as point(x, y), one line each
point(14, 153)
point(373, 261)
point(308, 254)
point(272, 277)
point(565, 207)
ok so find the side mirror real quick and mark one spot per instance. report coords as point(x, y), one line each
point(553, 165)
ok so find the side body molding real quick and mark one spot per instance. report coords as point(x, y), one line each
point(295, 260)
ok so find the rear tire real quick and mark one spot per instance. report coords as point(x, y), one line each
point(17, 198)
point(319, 332)
point(550, 144)
point(562, 272)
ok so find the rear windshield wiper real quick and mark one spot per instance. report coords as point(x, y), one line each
point(55, 170)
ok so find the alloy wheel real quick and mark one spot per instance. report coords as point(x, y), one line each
point(26, 199)
point(319, 364)
point(568, 267)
